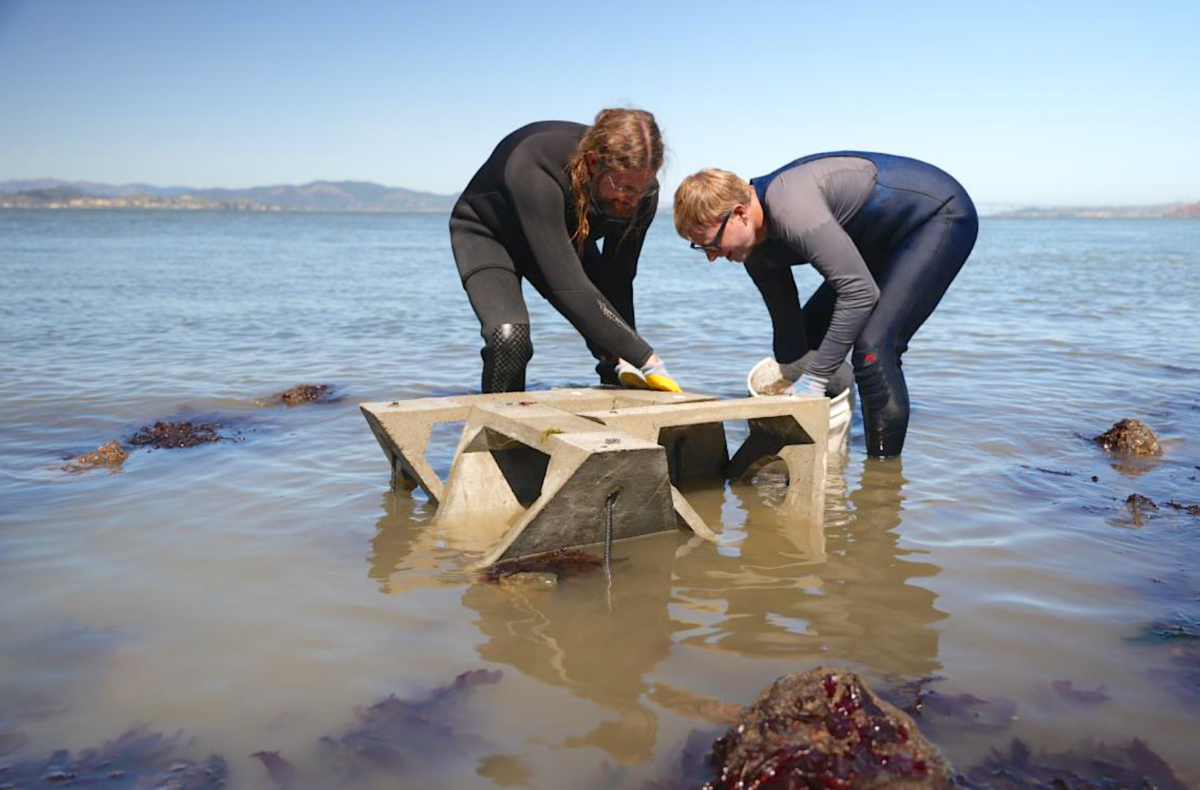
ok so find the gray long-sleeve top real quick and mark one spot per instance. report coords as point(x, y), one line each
point(807, 206)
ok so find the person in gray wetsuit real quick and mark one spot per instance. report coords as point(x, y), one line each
point(535, 212)
point(887, 233)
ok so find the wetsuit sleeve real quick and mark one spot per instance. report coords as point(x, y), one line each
point(538, 201)
point(778, 289)
point(834, 255)
point(618, 265)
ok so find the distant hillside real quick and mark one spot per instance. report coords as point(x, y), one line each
point(1184, 211)
point(1158, 211)
point(316, 196)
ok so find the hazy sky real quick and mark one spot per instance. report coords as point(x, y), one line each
point(1046, 102)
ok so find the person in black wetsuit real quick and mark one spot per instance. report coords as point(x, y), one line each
point(887, 233)
point(535, 211)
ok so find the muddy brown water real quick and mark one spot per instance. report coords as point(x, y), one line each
point(253, 594)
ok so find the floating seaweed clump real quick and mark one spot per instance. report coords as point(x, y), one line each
point(560, 562)
point(138, 759)
point(825, 730)
point(110, 454)
point(306, 393)
point(168, 435)
point(1180, 627)
point(1094, 767)
point(1133, 437)
point(1190, 509)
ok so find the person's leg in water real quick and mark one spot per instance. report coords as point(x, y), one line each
point(912, 281)
point(494, 288)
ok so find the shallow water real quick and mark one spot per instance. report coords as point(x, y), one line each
point(254, 593)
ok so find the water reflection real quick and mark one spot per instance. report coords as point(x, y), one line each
point(842, 594)
point(778, 588)
point(407, 552)
point(568, 637)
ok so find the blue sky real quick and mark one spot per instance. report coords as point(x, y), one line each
point(1025, 102)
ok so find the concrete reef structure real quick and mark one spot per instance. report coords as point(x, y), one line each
point(539, 471)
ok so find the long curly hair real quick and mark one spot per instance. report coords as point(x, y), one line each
point(623, 139)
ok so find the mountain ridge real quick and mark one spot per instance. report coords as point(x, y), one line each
point(312, 196)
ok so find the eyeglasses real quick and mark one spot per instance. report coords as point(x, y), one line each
point(630, 192)
point(715, 244)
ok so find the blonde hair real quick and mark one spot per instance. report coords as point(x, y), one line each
point(705, 196)
point(623, 139)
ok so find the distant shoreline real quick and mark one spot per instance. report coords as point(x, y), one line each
point(365, 197)
point(1042, 215)
point(5, 205)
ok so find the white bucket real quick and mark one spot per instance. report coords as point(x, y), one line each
point(841, 405)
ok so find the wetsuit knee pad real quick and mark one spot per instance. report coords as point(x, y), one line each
point(505, 356)
point(884, 398)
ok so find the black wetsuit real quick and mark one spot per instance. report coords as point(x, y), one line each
point(888, 234)
point(515, 220)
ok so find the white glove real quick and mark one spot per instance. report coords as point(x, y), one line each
point(809, 385)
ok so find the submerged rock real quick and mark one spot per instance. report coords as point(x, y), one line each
point(825, 729)
point(1138, 506)
point(1132, 437)
point(168, 435)
point(306, 393)
point(110, 454)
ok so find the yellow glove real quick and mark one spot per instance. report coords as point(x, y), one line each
point(652, 376)
point(661, 382)
point(630, 377)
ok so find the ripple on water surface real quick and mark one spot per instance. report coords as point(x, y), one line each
point(255, 593)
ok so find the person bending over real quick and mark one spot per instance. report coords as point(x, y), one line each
point(535, 211)
point(887, 233)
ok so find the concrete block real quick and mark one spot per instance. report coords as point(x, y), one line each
point(539, 471)
point(402, 428)
point(590, 474)
point(794, 429)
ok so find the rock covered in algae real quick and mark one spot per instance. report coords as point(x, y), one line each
point(1132, 437)
point(306, 393)
point(110, 454)
point(825, 730)
point(167, 435)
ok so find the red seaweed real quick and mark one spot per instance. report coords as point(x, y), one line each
point(1067, 691)
point(1093, 767)
point(170, 435)
point(393, 733)
point(280, 770)
point(562, 563)
point(138, 759)
point(934, 710)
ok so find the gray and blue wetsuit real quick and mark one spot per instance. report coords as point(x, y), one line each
point(516, 221)
point(888, 234)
